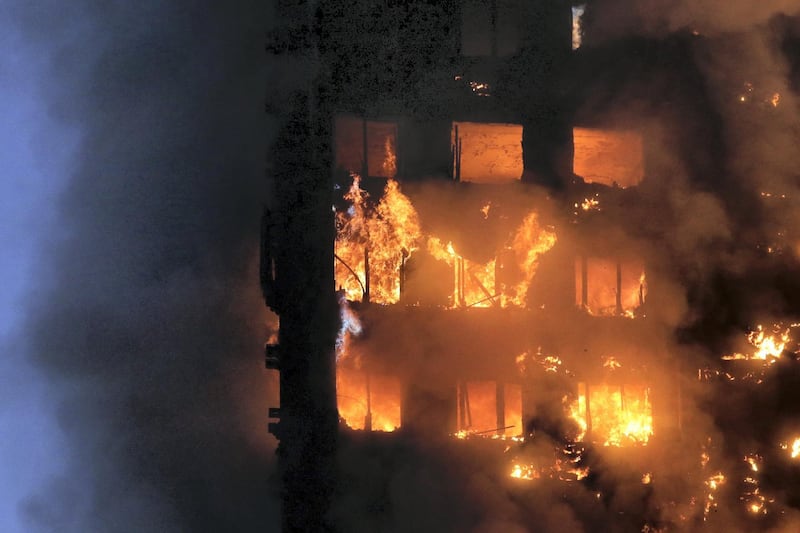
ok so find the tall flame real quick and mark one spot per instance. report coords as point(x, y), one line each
point(380, 238)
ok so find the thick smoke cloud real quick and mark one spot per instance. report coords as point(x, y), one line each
point(147, 319)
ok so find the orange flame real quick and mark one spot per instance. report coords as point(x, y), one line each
point(376, 242)
point(619, 415)
point(768, 348)
point(379, 237)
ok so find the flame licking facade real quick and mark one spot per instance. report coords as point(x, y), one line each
point(486, 281)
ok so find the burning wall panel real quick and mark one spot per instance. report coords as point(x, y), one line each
point(487, 153)
point(354, 134)
point(608, 157)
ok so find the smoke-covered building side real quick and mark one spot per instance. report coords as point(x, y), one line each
point(558, 307)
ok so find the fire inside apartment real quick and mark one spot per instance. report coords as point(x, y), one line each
point(464, 286)
point(494, 248)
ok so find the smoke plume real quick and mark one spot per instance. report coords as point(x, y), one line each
point(147, 320)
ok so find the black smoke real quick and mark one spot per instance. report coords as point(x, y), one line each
point(147, 320)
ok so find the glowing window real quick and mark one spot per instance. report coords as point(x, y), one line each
point(609, 157)
point(368, 401)
point(355, 136)
point(607, 287)
point(487, 153)
point(614, 415)
point(486, 408)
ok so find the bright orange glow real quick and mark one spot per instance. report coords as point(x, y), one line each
point(619, 415)
point(713, 483)
point(523, 471)
point(513, 410)
point(365, 399)
point(477, 409)
point(755, 501)
point(564, 470)
point(608, 157)
point(489, 153)
point(604, 278)
point(476, 284)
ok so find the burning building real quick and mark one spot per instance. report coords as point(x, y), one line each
point(473, 264)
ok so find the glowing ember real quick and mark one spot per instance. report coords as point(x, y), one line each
point(713, 483)
point(755, 502)
point(620, 415)
point(794, 448)
point(551, 363)
point(521, 471)
point(580, 473)
point(560, 469)
point(480, 88)
point(647, 478)
point(590, 204)
point(611, 363)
